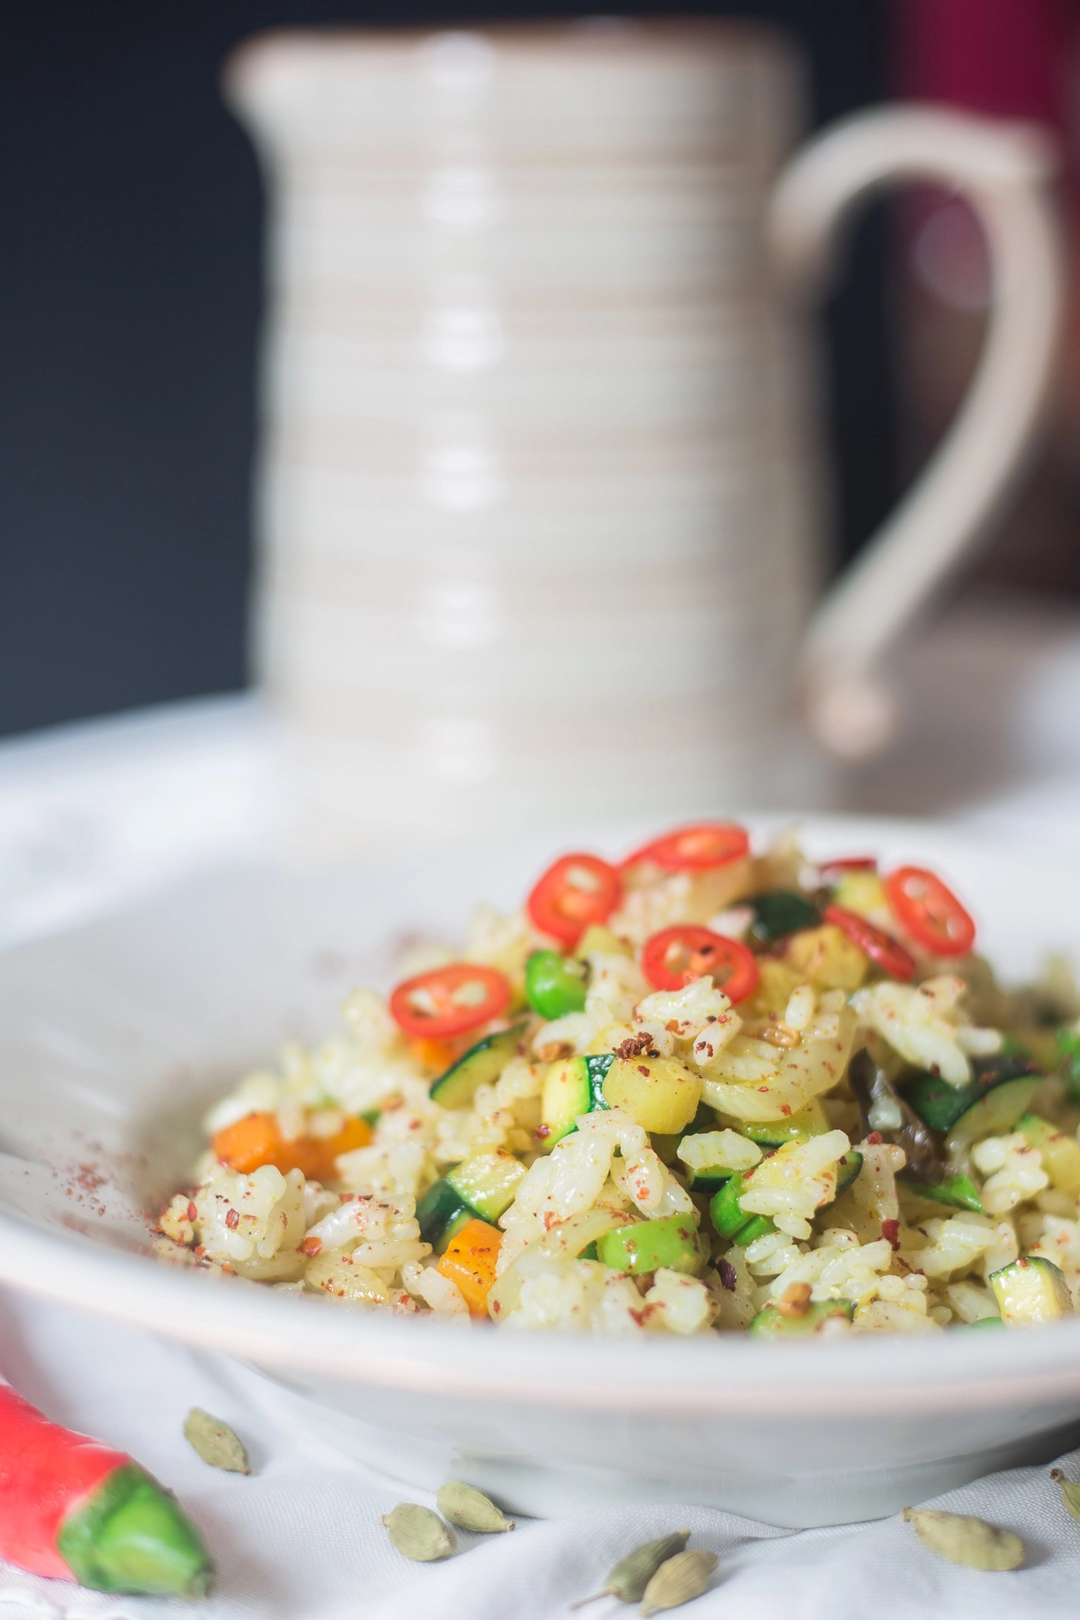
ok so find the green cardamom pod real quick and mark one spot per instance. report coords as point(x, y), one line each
point(679, 1580)
point(633, 1573)
point(1070, 1493)
point(419, 1534)
point(470, 1509)
point(215, 1442)
point(961, 1540)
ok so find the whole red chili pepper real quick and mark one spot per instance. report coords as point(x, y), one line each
point(79, 1510)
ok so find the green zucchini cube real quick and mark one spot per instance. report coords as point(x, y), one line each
point(770, 1323)
point(1031, 1290)
point(671, 1240)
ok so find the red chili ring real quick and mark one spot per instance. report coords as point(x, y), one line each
point(443, 1003)
point(577, 891)
point(699, 848)
point(929, 912)
point(880, 947)
point(676, 956)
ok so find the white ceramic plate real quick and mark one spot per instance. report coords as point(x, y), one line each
point(113, 1038)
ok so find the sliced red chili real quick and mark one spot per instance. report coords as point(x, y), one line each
point(577, 891)
point(695, 849)
point(450, 1000)
point(676, 956)
point(831, 872)
point(929, 911)
point(880, 947)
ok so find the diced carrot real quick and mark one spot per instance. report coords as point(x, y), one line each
point(302, 1153)
point(469, 1261)
point(256, 1140)
point(248, 1143)
point(355, 1133)
point(438, 1056)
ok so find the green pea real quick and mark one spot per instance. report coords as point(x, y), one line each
point(554, 984)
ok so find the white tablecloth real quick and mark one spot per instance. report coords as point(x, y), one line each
point(300, 1539)
point(98, 815)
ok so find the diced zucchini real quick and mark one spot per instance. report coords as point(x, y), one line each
point(778, 980)
point(480, 1066)
point(773, 1324)
point(1031, 1290)
point(1039, 1046)
point(725, 1211)
point(862, 892)
point(598, 938)
point(993, 1101)
point(702, 1156)
point(671, 1240)
point(981, 1322)
point(667, 1147)
point(572, 1087)
point(781, 912)
point(597, 1065)
point(487, 1182)
point(1060, 1153)
point(826, 958)
point(959, 1192)
point(709, 1180)
point(659, 1094)
point(479, 1188)
point(757, 1226)
point(440, 1213)
point(1067, 1042)
point(732, 1221)
point(798, 1127)
point(564, 1097)
point(994, 1113)
point(847, 1169)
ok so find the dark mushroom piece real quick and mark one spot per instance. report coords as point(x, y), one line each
point(875, 1095)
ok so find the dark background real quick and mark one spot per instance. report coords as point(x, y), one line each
point(130, 243)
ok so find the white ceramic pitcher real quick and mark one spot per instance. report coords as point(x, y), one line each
point(542, 489)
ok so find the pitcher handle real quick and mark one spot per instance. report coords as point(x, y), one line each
point(1004, 173)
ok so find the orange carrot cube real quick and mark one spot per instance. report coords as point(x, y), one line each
point(248, 1142)
point(436, 1055)
point(355, 1133)
point(256, 1140)
point(469, 1261)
